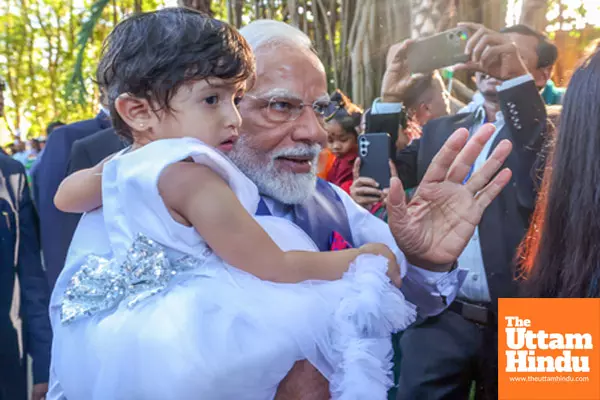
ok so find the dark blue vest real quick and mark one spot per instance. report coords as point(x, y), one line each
point(320, 216)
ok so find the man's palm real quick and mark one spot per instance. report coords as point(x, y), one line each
point(436, 225)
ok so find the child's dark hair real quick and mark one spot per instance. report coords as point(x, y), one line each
point(344, 112)
point(150, 55)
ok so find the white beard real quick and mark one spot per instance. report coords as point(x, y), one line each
point(284, 186)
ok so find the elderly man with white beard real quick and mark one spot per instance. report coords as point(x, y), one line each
point(280, 139)
point(281, 136)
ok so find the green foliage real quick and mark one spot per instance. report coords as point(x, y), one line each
point(77, 81)
point(49, 50)
point(47, 70)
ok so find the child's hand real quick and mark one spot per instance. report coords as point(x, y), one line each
point(383, 250)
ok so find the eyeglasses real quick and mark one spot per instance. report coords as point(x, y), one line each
point(284, 109)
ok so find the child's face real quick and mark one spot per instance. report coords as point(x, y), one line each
point(206, 110)
point(339, 141)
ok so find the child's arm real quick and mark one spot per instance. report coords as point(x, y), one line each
point(196, 194)
point(81, 191)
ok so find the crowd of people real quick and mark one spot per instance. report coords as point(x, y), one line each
point(209, 231)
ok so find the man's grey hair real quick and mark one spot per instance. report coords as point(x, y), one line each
point(269, 32)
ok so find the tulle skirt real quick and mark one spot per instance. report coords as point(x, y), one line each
point(219, 333)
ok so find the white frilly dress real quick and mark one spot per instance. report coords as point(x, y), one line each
point(164, 318)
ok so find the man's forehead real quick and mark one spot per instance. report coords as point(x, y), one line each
point(268, 91)
point(287, 53)
point(292, 86)
point(290, 69)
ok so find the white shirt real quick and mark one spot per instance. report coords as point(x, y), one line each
point(429, 291)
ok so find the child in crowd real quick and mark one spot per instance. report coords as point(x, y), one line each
point(343, 129)
point(199, 296)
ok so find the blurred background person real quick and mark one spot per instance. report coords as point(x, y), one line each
point(25, 308)
point(52, 126)
point(426, 98)
point(48, 174)
point(540, 55)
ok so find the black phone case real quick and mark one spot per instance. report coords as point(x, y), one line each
point(438, 51)
point(388, 123)
point(374, 150)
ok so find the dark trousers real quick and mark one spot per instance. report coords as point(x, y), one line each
point(442, 355)
point(13, 373)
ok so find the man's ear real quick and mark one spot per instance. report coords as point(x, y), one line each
point(136, 112)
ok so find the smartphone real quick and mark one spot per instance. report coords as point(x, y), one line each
point(388, 123)
point(374, 150)
point(438, 51)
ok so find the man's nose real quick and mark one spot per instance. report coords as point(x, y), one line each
point(309, 128)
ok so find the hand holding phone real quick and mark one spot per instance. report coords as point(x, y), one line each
point(492, 53)
point(438, 51)
point(389, 123)
point(374, 152)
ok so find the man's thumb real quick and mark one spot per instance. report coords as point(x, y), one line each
point(396, 201)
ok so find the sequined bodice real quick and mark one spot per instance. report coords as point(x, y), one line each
point(101, 284)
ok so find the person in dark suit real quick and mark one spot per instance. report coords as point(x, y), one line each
point(89, 151)
point(20, 256)
point(85, 153)
point(50, 172)
point(463, 339)
point(441, 355)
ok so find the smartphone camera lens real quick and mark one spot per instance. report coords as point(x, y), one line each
point(363, 152)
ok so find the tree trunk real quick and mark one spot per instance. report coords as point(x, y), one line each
point(198, 5)
point(292, 7)
point(238, 12)
point(533, 14)
point(428, 16)
point(257, 9)
point(230, 12)
point(494, 14)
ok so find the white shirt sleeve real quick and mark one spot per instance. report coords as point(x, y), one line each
point(519, 80)
point(430, 291)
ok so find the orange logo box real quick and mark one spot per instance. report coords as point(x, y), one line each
point(549, 349)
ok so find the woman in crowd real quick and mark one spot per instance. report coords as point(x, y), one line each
point(560, 255)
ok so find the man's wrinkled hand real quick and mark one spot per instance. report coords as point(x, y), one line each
point(303, 382)
point(435, 226)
